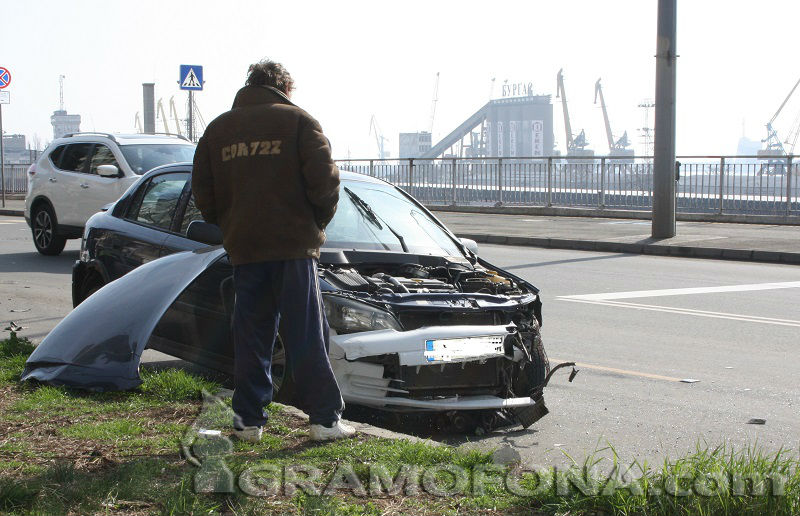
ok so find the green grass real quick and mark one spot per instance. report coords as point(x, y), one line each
point(140, 434)
point(13, 353)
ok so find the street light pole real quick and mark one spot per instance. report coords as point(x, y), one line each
point(664, 145)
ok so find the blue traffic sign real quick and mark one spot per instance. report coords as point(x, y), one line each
point(5, 77)
point(191, 77)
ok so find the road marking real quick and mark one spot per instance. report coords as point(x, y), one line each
point(626, 372)
point(696, 313)
point(10, 221)
point(681, 291)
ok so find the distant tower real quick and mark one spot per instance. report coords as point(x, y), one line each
point(646, 132)
point(62, 122)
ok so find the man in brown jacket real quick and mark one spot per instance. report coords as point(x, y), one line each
point(263, 172)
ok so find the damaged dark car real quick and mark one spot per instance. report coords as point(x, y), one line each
point(418, 321)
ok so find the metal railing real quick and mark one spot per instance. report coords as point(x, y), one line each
point(705, 184)
point(16, 179)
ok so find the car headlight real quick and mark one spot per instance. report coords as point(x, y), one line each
point(348, 316)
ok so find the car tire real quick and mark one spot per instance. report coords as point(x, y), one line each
point(43, 227)
point(91, 284)
point(282, 382)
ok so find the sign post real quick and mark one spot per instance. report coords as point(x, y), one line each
point(5, 98)
point(191, 79)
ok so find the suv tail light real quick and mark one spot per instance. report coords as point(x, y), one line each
point(32, 169)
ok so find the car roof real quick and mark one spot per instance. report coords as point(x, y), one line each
point(124, 139)
point(344, 174)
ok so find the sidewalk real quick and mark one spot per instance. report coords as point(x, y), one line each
point(14, 207)
point(748, 242)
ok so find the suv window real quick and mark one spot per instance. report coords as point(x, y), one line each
point(75, 157)
point(156, 201)
point(102, 156)
point(55, 156)
point(144, 157)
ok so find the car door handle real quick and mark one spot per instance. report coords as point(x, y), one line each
point(84, 185)
point(53, 180)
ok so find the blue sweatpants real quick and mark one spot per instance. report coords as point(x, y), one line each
point(267, 292)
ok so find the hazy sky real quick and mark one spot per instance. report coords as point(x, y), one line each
point(350, 60)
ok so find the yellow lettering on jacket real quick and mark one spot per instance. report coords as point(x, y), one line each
point(244, 149)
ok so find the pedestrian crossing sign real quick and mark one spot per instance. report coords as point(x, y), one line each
point(191, 77)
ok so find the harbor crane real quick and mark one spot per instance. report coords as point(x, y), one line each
point(613, 146)
point(774, 145)
point(379, 139)
point(578, 143)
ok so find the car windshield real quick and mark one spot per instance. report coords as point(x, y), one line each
point(378, 216)
point(144, 157)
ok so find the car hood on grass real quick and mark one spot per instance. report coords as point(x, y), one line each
point(99, 344)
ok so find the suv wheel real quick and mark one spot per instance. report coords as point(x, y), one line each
point(43, 225)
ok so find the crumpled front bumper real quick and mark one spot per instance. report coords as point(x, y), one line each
point(365, 383)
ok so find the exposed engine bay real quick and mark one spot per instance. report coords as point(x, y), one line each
point(415, 278)
point(451, 336)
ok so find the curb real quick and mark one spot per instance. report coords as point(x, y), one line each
point(363, 428)
point(651, 249)
point(12, 213)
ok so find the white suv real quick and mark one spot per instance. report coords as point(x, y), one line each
point(81, 172)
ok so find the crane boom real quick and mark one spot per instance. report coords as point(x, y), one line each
point(561, 92)
point(174, 112)
point(778, 112)
point(160, 111)
point(435, 100)
point(598, 91)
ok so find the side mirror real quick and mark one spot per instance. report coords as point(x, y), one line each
point(470, 244)
point(107, 171)
point(204, 232)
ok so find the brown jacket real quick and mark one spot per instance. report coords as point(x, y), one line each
point(263, 173)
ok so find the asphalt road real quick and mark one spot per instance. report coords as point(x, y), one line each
point(633, 347)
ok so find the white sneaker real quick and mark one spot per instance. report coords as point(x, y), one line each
point(251, 434)
point(339, 430)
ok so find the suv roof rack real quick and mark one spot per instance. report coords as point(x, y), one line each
point(182, 137)
point(82, 133)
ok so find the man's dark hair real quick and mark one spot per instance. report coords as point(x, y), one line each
point(269, 73)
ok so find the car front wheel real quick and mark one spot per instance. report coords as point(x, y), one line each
point(91, 284)
point(43, 226)
point(282, 383)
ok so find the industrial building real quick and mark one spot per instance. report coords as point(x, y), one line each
point(414, 145)
point(505, 128)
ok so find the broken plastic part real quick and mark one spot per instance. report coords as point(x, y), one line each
point(573, 374)
point(99, 344)
point(556, 368)
point(529, 415)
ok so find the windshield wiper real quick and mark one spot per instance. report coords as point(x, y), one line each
point(365, 208)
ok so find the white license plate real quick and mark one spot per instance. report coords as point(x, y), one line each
point(467, 348)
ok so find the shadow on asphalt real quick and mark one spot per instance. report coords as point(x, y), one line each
point(35, 262)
